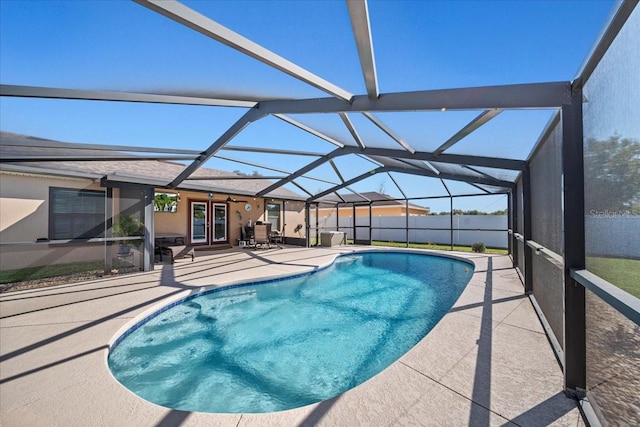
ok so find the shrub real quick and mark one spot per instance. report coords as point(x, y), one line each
point(478, 247)
point(128, 226)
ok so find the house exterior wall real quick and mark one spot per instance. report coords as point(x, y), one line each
point(295, 220)
point(291, 214)
point(24, 218)
point(178, 222)
point(362, 211)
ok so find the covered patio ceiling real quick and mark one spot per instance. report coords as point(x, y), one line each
point(355, 137)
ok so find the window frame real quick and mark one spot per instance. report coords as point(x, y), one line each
point(278, 225)
point(53, 215)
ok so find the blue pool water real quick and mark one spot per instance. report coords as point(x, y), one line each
point(284, 344)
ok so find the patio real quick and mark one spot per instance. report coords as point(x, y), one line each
point(488, 361)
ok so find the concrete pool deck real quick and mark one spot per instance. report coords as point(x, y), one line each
point(487, 362)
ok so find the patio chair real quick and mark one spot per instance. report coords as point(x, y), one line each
point(277, 237)
point(261, 235)
point(180, 249)
point(159, 249)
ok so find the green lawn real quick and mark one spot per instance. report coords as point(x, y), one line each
point(624, 273)
point(438, 247)
point(54, 270)
point(428, 246)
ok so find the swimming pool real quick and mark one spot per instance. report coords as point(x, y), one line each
point(283, 344)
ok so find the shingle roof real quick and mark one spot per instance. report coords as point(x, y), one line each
point(379, 199)
point(155, 172)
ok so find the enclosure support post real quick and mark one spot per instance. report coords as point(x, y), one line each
point(574, 246)
point(307, 225)
point(509, 225)
point(283, 221)
point(317, 226)
point(149, 193)
point(108, 232)
point(370, 224)
point(406, 222)
point(514, 227)
point(451, 219)
point(354, 224)
point(526, 214)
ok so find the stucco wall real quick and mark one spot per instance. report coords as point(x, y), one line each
point(178, 222)
point(294, 220)
point(24, 217)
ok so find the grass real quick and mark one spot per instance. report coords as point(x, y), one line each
point(47, 271)
point(428, 246)
point(624, 273)
point(438, 247)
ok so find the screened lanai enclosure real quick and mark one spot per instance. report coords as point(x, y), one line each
point(561, 157)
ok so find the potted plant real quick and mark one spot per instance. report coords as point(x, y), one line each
point(127, 226)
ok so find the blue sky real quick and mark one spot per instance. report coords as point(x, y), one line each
point(120, 45)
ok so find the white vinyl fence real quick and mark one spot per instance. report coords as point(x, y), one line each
point(467, 229)
point(613, 236)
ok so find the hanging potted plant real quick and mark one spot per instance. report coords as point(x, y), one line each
point(127, 226)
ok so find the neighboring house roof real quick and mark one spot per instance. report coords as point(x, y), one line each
point(158, 173)
point(379, 199)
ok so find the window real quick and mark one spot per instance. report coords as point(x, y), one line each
point(76, 214)
point(166, 202)
point(273, 215)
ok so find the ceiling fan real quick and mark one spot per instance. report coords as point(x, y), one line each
point(233, 200)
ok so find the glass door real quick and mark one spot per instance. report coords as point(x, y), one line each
point(199, 222)
point(219, 223)
point(272, 215)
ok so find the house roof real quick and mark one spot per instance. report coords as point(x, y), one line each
point(25, 151)
point(378, 199)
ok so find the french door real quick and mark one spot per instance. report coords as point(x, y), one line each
point(208, 222)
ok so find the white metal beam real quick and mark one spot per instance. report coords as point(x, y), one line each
point(359, 14)
point(352, 129)
point(86, 158)
point(336, 170)
point(509, 164)
point(419, 172)
point(397, 185)
point(44, 143)
point(309, 130)
point(388, 131)
point(250, 116)
point(335, 153)
point(206, 26)
point(519, 96)
point(465, 131)
point(269, 168)
point(272, 151)
point(230, 177)
point(98, 95)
